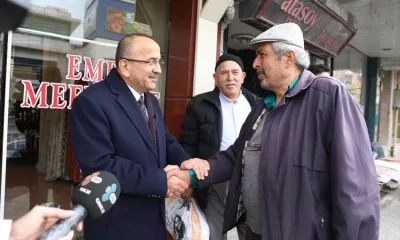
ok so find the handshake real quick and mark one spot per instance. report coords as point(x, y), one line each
point(178, 178)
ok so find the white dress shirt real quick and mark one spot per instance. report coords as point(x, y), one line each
point(135, 93)
point(233, 116)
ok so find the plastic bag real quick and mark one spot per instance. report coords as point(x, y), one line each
point(185, 220)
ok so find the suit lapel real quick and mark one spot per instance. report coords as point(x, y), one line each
point(152, 117)
point(133, 112)
point(128, 103)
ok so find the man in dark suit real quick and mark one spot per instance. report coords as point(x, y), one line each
point(117, 126)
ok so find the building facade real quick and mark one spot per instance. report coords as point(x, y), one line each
point(64, 47)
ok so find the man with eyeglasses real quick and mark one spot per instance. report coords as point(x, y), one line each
point(117, 126)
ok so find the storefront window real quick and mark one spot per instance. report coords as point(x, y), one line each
point(1, 74)
point(350, 68)
point(315, 60)
point(378, 107)
point(62, 48)
point(1, 102)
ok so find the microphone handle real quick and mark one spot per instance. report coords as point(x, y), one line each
point(62, 227)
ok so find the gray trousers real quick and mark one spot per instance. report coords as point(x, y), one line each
point(214, 212)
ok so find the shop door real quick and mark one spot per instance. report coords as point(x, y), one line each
point(3, 65)
point(62, 48)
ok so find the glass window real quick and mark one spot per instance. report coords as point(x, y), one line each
point(63, 47)
point(350, 67)
point(2, 78)
point(316, 60)
point(2, 50)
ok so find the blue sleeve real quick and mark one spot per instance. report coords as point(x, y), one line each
point(93, 146)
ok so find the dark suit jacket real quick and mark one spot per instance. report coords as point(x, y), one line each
point(109, 133)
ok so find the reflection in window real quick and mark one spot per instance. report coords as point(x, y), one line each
point(62, 48)
point(352, 81)
point(350, 68)
point(1, 71)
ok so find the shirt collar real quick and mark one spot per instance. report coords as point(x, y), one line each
point(270, 99)
point(224, 98)
point(135, 93)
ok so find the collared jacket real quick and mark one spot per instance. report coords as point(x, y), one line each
point(109, 133)
point(317, 177)
point(201, 131)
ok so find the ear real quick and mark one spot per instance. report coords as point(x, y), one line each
point(291, 58)
point(215, 79)
point(243, 76)
point(123, 69)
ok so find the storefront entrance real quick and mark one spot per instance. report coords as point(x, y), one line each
point(325, 33)
point(62, 48)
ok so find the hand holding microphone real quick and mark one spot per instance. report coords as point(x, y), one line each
point(94, 196)
point(37, 221)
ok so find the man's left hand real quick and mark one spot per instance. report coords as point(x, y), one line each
point(200, 167)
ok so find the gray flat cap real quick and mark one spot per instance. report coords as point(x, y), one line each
point(289, 33)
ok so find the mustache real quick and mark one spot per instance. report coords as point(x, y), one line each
point(260, 71)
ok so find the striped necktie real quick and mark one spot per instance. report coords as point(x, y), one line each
point(143, 108)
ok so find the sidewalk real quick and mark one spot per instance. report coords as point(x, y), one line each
point(390, 215)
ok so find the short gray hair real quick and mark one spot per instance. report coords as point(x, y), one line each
point(302, 56)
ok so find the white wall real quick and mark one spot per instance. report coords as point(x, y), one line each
point(206, 43)
point(205, 57)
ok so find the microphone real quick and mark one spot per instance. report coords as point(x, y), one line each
point(94, 196)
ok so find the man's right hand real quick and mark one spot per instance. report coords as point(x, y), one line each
point(178, 181)
point(176, 187)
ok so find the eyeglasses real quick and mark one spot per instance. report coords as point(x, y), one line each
point(151, 62)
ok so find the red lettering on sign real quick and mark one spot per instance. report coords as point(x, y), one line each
point(58, 96)
point(297, 10)
point(110, 65)
point(58, 90)
point(31, 99)
point(93, 74)
point(73, 66)
point(37, 97)
point(327, 40)
point(75, 90)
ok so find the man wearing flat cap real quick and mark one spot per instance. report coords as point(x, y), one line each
point(301, 167)
point(212, 123)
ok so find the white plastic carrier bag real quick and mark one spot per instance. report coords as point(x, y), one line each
point(185, 220)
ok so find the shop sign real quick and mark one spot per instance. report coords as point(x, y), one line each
point(112, 19)
point(37, 96)
point(322, 28)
